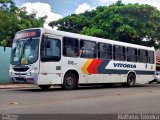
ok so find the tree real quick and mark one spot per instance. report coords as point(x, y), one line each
point(132, 23)
point(13, 19)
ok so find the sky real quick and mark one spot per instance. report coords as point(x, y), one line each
point(56, 9)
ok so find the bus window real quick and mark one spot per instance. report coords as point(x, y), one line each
point(105, 51)
point(143, 56)
point(131, 54)
point(51, 50)
point(151, 57)
point(87, 49)
point(119, 53)
point(70, 47)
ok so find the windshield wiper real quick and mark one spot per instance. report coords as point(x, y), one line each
point(28, 42)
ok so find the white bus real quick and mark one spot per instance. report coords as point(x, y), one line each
point(49, 57)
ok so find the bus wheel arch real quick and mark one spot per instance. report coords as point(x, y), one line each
point(131, 79)
point(70, 80)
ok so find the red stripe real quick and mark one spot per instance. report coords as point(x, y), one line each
point(92, 68)
point(98, 64)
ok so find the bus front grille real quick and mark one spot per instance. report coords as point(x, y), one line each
point(20, 79)
point(20, 69)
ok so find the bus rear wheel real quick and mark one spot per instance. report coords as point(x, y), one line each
point(69, 82)
point(131, 79)
point(44, 87)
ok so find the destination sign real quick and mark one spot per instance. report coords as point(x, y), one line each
point(27, 34)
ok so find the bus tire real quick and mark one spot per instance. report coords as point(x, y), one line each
point(131, 79)
point(69, 81)
point(44, 87)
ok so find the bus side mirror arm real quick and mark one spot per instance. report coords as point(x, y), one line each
point(43, 45)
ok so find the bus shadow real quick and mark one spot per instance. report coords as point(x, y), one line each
point(81, 88)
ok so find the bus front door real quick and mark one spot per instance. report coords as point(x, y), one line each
point(50, 65)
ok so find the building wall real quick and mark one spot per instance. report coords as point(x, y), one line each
point(4, 64)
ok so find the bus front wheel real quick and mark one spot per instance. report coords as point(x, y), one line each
point(69, 82)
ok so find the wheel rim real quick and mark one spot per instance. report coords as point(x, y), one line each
point(69, 81)
point(131, 80)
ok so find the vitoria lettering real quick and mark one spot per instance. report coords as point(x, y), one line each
point(124, 65)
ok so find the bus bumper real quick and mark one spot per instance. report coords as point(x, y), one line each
point(23, 79)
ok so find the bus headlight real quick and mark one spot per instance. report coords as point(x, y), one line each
point(32, 71)
point(29, 74)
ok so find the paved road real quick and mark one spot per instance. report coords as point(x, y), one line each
point(94, 100)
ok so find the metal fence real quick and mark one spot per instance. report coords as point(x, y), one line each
point(5, 54)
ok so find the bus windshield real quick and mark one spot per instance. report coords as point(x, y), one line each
point(25, 51)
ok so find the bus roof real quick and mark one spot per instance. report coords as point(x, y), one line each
point(96, 39)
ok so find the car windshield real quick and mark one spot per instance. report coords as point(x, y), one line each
point(25, 51)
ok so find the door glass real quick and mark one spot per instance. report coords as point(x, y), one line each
point(51, 49)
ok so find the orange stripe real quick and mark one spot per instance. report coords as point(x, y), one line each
point(85, 66)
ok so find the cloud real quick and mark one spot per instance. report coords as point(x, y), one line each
point(155, 3)
point(83, 7)
point(124, 1)
point(41, 10)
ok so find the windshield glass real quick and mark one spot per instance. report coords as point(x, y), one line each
point(25, 51)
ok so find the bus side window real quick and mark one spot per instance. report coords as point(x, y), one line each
point(151, 57)
point(70, 47)
point(105, 51)
point(131, 54)
point(119, 53)
point(143, 56)
point(88, 49)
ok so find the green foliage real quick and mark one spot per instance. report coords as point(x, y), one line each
point(13, 19)
point(128, 23)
